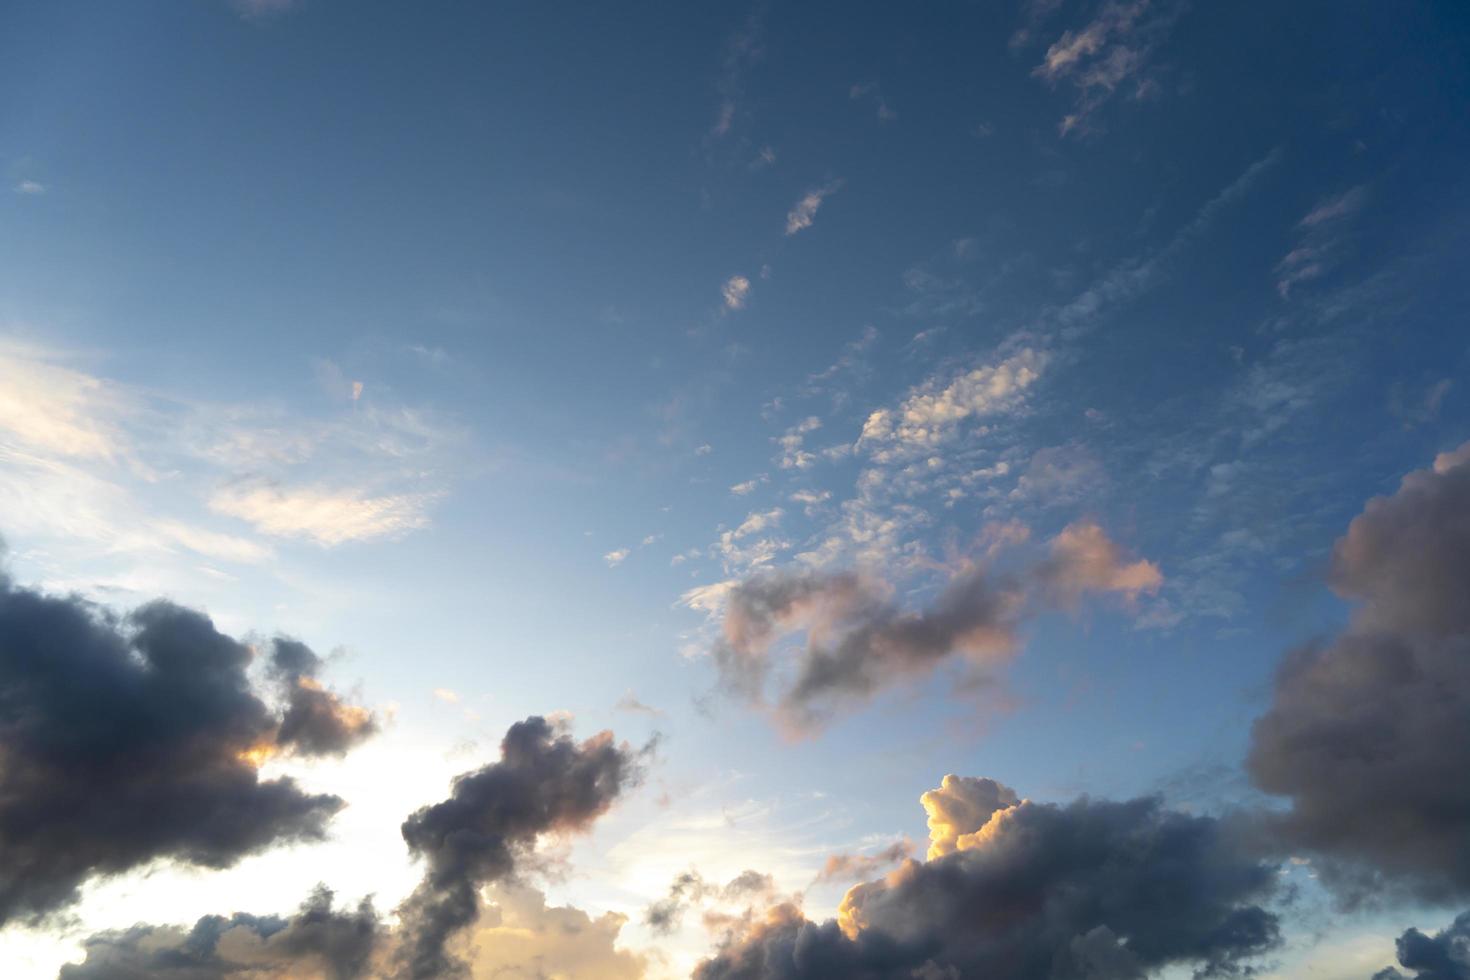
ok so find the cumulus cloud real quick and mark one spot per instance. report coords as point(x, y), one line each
point(931, 413)
point(318, 941)
point(1092, 890)
point(1445, 956)
point(859, 640)
point(1368, 734)
point(804, 212)
point(126, 740)
point(735, 291)
point(328, 517)
point(544, 783)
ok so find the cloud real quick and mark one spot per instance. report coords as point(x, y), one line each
point(47, 407)
point(1096, 60)
point(629, 702)
point(316, 720)
point(329, 517)
point(1095, 890)
point(735, 291)
point(1446, 956)
point(689, 889)
point(859, 641)
point(932, 412)
point(749, 486)
point(30, 188)
point(1320, 246)
point(317, 941)
point(1368, 734)
point(257, 9)
point(489, 825)
point(850, 867)
point(959, 808)
point(127, 740)
point(521, 936)
point(615, 557)
point(804, 211)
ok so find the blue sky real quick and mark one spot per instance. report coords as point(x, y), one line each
point(491, 346)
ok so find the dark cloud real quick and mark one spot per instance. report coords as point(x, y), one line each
point(318, 941)
point(544, 783)
point(317, 721)
point(1446, 956)
point(859, 640)
point(1088, 891)
point(1369, 735)
point(125, 740)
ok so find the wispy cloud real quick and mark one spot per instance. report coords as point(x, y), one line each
point(880, 104)
point(616, 557)
point(1098, 59)
point(804, 212)
point(30, 187)
point(1321, 242)
point(327, 516)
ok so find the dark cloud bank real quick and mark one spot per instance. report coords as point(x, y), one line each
point(1366, 743)
point(482, 834)
point(129, 740)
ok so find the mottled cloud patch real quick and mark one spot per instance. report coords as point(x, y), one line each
point(932, 413)
point(804, 212)
point(859, 640)
point(1368, 734)
point(1089, 890)
point(128, 740)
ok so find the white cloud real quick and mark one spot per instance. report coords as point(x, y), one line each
point(615, 557)
point(741, 489)
point(804, 212)
point(735, 291)
point(58, 410)
point(328, 517)
point(932, 412)
point(30, 187)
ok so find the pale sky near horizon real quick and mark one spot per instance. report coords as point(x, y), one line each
point(491, 349)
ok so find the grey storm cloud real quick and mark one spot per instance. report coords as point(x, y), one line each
point(483, 833)
point(318, 941)
point(859, 640)
point(1092, 890)
point(545, 782)
point(126, 740)
point(1368, 735)
point(1444, 956)
point(316, 721)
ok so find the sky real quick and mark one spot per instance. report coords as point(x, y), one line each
point(748, 490)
